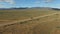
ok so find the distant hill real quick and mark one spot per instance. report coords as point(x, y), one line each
point(44, 8)
point(55, 9)
point(11, 8)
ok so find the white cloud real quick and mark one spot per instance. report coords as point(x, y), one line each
point(37, 2)
point(1, 6)
point(8, 1)
point(48, 0)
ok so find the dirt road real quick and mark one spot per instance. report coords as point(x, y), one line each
point(47, 26)
point(26, 19)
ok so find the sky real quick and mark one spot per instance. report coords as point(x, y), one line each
point(29, 3)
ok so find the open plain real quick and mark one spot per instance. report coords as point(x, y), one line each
point(30, 21)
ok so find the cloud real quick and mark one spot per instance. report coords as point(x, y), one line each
point(8, 1)
point(1, 6)
point(45, 0)
point(37, 2)
point(48, 0)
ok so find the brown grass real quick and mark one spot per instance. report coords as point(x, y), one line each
point(32, 27)
point(38, 26)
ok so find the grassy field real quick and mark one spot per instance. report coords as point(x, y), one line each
point(22, 14)
point(45, 25)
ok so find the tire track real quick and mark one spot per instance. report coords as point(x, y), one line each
point(26, 19)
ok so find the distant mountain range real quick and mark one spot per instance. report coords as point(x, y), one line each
point(11, 8)
point(29, 8)
point(55, 9)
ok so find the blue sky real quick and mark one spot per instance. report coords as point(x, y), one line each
point(29, 3)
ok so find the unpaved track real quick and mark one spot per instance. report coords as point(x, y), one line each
point(26, 19)
point(34, 27)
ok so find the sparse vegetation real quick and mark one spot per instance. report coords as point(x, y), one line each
point(43, 25)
